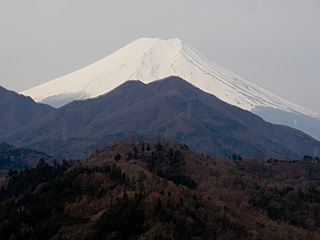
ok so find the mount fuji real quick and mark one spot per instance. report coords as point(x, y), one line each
point(150, 59)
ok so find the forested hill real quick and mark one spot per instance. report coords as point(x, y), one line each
point(18, 158)
point(159, 189)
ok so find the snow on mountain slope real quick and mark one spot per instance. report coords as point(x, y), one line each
point(149, 59)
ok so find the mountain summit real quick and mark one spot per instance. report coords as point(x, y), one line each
point(149, 59)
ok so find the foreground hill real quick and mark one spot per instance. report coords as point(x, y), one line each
point(17, 110)
point(161, 190)
point(172, 108)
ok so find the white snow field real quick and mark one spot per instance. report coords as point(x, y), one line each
point(150, 59)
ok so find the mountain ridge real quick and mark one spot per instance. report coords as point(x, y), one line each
point(172, 108)
point(17, 110)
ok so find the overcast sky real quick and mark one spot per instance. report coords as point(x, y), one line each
point(273, 43)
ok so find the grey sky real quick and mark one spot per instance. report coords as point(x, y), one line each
point(273, 43)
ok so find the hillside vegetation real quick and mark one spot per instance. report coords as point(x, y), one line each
point(159, 189)
point(12, 158)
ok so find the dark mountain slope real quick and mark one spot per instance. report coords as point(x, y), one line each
point(18, 158)
point(172, 108)
point(17, 110)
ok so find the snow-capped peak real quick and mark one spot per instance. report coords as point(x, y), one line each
point(149, 59)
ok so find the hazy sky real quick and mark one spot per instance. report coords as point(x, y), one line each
point(273, 43)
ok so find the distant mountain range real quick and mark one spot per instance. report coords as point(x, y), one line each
point(17, 110)
point(172, 108)
point(150, 59)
